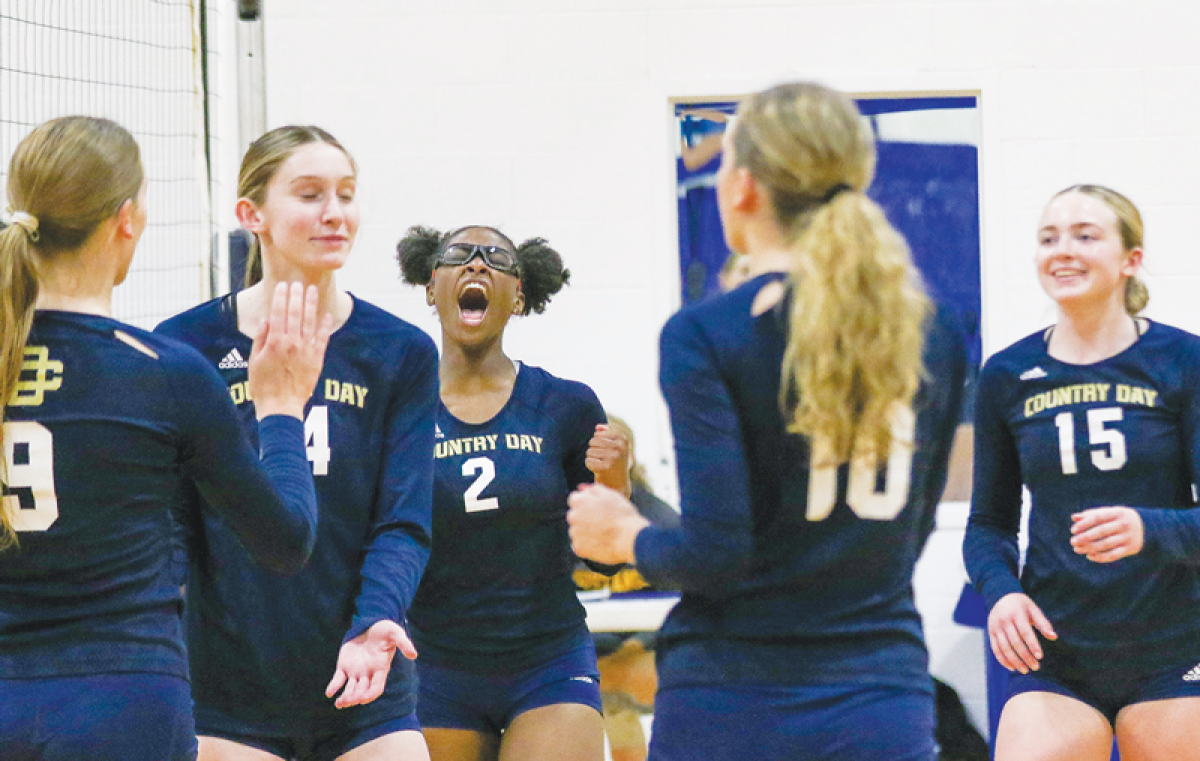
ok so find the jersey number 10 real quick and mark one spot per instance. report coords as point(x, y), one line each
point(862, 494)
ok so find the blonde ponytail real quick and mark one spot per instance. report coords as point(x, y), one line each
point(18, 297)
point(858, 310)
point(254, 270)
point(1137, 295)
point(855, 330)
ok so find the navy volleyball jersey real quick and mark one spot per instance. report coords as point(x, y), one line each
point(790, 575)
point(263, 648)
point(112, 429)
point(1123, 431)
point(499, 580)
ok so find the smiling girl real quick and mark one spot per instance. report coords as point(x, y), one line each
point(263, 648)
point(1099, 418)
point(507, 664)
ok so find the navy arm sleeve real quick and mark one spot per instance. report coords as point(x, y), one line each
point(1173, 535)
point(577, 434)
point(990, 547)
point(400, 540)
point(269, 504)
point(710, 551)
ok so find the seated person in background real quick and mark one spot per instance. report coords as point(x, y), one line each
point(626, 659)
point(654, 509)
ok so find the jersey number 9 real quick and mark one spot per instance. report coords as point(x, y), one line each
point(29, 495)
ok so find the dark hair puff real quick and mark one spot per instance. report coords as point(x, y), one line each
point(417, 252)
point(542, 274)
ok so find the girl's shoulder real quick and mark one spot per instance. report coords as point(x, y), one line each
point(540, 389)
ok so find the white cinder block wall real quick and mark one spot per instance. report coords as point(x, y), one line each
point(551, 118)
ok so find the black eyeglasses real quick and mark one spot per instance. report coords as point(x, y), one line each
point(496, 257)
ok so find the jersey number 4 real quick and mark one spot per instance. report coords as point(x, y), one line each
point(864, 495)
point(316, 440)
point(29, 495)
point(1113, 457)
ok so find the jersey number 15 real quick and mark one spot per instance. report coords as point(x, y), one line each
point(1113, 457)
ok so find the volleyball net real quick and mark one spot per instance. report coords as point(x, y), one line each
point(142, 64)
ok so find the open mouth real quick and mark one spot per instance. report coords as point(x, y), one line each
point(472, 303)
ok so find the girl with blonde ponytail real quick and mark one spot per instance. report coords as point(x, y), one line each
point(108, 432)
point(1098, 418)
point(813, 410)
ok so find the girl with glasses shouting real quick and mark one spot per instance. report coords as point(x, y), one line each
point(507, 665)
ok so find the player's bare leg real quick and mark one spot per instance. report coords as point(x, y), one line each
point(1043, 726)
point(461, 745)
point(560, 732)
point(1160, 730)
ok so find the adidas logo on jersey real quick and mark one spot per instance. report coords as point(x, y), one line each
point(1193, 675)
point(233, 361)
point(437, 432)
point(1033, 374)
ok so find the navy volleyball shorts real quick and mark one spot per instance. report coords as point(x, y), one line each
point(451, 698)
point(773, 722)
point(105, 717)
point(1107, 685)
point(326, 747)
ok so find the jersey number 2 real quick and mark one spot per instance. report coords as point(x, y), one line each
point(862, 496)
point(29, 495)
point(487, 473)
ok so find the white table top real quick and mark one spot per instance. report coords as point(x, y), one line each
point(637, 612)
